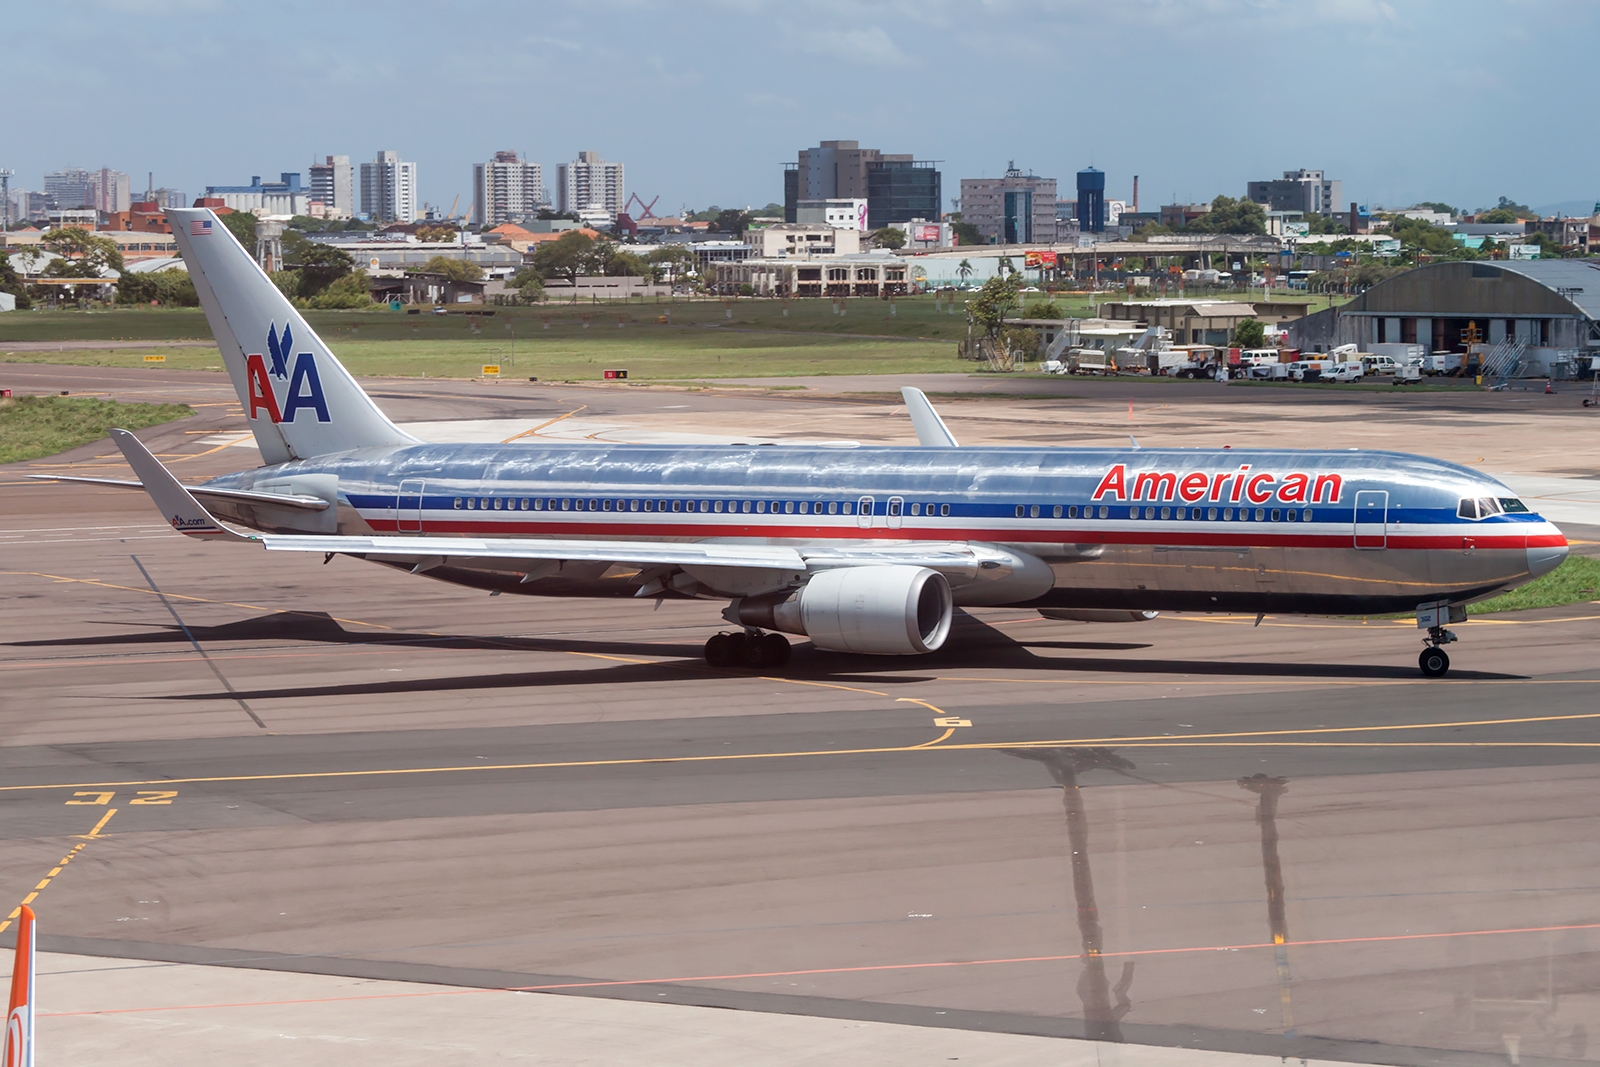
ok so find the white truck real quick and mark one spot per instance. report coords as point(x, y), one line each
point(1344, 372)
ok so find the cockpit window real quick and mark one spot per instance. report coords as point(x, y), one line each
point(1486, 507)
point(1512, 506)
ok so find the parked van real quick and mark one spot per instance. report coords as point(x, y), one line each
point(1308, 370)
point(1343, 372)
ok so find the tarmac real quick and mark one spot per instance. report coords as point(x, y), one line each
point(268, 806)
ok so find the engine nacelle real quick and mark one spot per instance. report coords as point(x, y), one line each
point(1097, 615)
point(881, 610)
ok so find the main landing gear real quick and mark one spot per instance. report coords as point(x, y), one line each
point(1435, 663)
point(751, 648)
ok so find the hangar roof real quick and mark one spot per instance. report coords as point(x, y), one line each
point(1547, 287)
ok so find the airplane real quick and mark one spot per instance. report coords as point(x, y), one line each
point(861, 549)
point(17, 1048)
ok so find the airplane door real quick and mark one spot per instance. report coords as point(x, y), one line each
point(897, 505)
point(1372, 518)
point(864, 512)
point(408, 506)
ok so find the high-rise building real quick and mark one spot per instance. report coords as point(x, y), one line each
point(1091, 201)
point(506, 188)
point(389, 189)
point(333, 184)
point(1015, 209)
point(897, 188)
point(68, 187)
point(110, 191)
point(589, 182)
point(1307, 191)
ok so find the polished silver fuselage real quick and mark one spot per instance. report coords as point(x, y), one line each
point(1280, 531)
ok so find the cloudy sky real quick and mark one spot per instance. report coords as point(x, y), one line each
point(704, 100)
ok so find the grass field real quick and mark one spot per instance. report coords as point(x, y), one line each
point(666, 340)
point(1576, 580)
point(34, 426)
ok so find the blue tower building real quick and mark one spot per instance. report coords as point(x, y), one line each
point(1091, 201)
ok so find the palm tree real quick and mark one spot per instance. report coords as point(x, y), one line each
point(964, 269)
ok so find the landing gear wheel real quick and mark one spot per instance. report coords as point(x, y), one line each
point(723, 650)
point(774, 650)
point(1434, 662)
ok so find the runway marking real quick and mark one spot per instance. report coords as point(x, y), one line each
point(542, 425)
point(951, 723)
point(821, 685)
point(857, 969)
point(1151, 741)
point(61, 864)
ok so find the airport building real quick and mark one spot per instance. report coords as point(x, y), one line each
point(1548, 311)
point(869, 274)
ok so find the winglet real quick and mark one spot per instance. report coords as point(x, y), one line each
point(177, 505)
point(18, 1050)
point(931, 430)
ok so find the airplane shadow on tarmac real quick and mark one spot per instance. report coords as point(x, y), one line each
point(972, 645)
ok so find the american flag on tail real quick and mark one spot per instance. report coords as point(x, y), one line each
point(200, 228)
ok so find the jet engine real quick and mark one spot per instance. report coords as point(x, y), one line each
point(1097, 615)
point(881, 610)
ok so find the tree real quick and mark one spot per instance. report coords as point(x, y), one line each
point(319, 265)
point(11, 282)
point(459, 270)
point(998, 296)
point(965, 232)
point(1316, 223)
point(731, 220)
point(1228, 215)
point(565, 257)
point(1250, 334)
point(84, 254)
point(669, 263)
point(964, 269)
point(436, 234)
point(889, 237)
point(350, 291)
point(1043, 309)
point(242, 225)
point(528, 284)
point(1437, 205)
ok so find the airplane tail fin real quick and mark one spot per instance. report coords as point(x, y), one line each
point(18, 1046)
point(299, 399)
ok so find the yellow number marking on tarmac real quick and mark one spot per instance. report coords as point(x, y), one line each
point(99, 798)
point(61, 864)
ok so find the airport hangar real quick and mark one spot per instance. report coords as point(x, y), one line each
point(1551, 306)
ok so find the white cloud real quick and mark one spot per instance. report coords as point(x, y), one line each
point(869, 45)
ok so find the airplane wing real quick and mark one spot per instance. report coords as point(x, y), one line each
point(18, 1044)
point(307, 503)
point(188, 516)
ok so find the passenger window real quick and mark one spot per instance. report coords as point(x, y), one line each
point(1211, 514)
point(472, 503)
point(1183, 513)
point(1033, 512)
point(1305, 516)
point(1227, 514)
point(788, 507)
point(1056, 512)
point(847, 507)
point(677, 505)
point(916, 509)
point(1149, 513)
point(1276, 514)
point(1467, 509)
point(717, 506)
point(805, 507)
point(1289, 514)
point(1072, 512)
point(649, 505)
point(833, 507)
point(458, 503)
point(761, 507)
point(1261, 514)
point(1105, 512)
point(566, 503)
point(1166, 513)
point(1019, 511)
point(526, 504)
point(944, 509)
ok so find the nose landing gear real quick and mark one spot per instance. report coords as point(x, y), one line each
point(752, 648)
point(1434, 661)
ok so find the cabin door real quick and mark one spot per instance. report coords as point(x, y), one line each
point(1372, 518)
point(408, 506)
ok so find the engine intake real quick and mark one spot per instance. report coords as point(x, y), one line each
point(885, 611)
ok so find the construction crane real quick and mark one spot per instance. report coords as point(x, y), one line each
point(453, 204)
point(648, 210)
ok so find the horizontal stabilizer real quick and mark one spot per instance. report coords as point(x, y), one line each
point(176, 504)
point(931, 430)
point(309, 503)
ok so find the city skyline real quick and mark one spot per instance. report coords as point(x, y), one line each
point(1302, 85)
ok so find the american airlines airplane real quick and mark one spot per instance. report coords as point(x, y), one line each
point(860, 549)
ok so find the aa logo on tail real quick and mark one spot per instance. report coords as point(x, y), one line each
point(304, 389)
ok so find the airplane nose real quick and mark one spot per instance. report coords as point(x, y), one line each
point(1545, 558)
